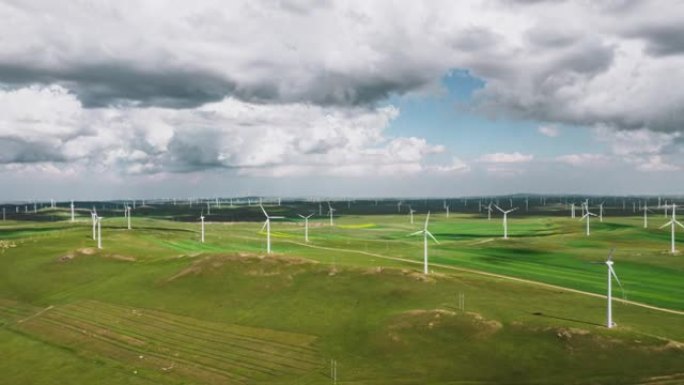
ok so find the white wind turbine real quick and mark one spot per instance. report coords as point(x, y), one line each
point(672, 223)
point(411, 211)
point(399, 206)
point(572, 210)
point(446, 207)
point(426, 234)
point(611, 274)
point(505, 219)
point(588, 216)
point(72, 211)
point(267, 225)
point(93, 217)
point(99, 232)
point(331, 210)
point(489, 211)
point(202, 220)
point(128, 216)
point(306, 226)
point(646, 210)
point(601, 212)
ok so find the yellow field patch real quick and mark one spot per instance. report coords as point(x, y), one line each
point(358, 226)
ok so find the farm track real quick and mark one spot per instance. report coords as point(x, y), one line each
point(494, 275)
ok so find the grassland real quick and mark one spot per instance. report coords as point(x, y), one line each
point(157, 306)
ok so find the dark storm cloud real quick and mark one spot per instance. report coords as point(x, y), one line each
point(662, 40)
point(19, 151)
point(114, 84)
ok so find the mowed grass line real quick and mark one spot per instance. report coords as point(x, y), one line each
point(237, 355)
point(260, 348)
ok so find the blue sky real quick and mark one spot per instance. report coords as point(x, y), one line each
point(448, 119)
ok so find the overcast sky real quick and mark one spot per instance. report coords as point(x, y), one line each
point(126, 99)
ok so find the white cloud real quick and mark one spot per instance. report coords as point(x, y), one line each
point(550, 131)
point(254, 139)
point(642, 141)
point(502, 157)
point(583, 159)
point(655, 163)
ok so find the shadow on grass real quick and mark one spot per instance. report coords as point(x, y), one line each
point(540, 314)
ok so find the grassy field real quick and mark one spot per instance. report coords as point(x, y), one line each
point(157, 306)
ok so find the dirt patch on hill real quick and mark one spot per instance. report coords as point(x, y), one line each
point(471, 324)
point(251, 264)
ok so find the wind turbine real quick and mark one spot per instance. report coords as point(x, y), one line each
point(426, 234)
point(93, 216)
point(331, 210)
point(611, 274)
point(128, 215)
point(72, 211)
point(672, 223)
point(267, 225)
point(99, 232)
point(447, 210)
point(505, 219)
point(306, 226)
point(587, 215)
point(646, 210)
point(202, 220)
point(411, 211)
point(489, 211)
point(601, 212)
point(572, 210)
point(399, 206)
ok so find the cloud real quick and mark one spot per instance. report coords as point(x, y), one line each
point(583, 159)
point(502, 157)
point(642, 141)
point(550, 131)
point(656, 163)
point(49, 124)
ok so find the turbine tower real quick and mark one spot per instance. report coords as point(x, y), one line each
point(588, 216)
point(128, 215)
point(672, 223)
point(93, 217)
point(411, 211)
point(572, 210)
point(505, 219)
point(489, 211)
point(267, 225)
point(306, 226)
point(601, 212)
point(202, 220)
point(72, 211)
point(646, 210)
point(331, 210)
point(425, 234)
point(99, 232)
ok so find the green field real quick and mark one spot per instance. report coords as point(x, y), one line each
point(157, 306)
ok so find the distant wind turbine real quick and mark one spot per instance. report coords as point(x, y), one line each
point(572, 210)
point(202, 220)
point(505, 219)
point(331, 210)
point(672, 223)
point(601, 212)
point(93, 217)
point(306, 226)
point(646, 210)
point(489, 211)
point(72, 211)
point(587, 215)
point(425, 234)
point(128, 216)
point(267, 225)
point(411, 211)
point(99, 232)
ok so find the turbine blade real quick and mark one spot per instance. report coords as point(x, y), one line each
point(432, 236)
point(301, 216)
point(416, 233)
point(276, 217)
point(262, 209)
point(264, 226)
point(498, 208)
point(665, 225)
point(610, 254)
point(612, 272)
point(511, 210)
point(679, 224)
point(427, 219)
